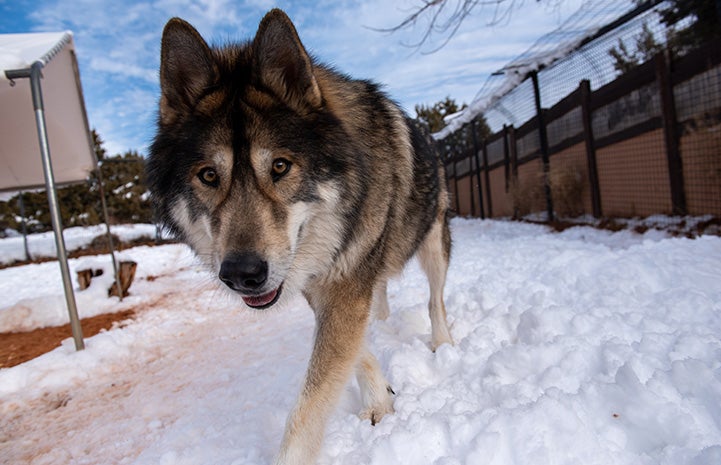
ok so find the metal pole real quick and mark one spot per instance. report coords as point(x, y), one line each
point(671, 136)
point(111, 245)
point(24, 225)
point(455, 184)
point(585, 96)
point(513, 159)
point(506, 158)
point(487, 177)
point(544, 146)
point(477, 149)
point(469, 157)
point(35, 76)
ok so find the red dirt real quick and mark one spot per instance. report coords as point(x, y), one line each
point(16, 348)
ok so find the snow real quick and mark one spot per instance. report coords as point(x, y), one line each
point(43, 245)
point(578, 347)
point(20, 51)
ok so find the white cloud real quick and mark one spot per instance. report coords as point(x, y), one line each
point(108, 65)
point(125, 122)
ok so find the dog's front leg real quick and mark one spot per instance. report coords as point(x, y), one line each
point(342, 312)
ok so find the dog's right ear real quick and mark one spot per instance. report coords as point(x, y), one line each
point(187, 69)
point(282, 63)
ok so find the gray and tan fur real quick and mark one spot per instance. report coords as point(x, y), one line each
point(285, 176)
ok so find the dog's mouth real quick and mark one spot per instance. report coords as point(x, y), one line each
point(260, 302)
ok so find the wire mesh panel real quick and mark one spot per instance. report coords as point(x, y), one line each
point(501, 200)
point(570, 182)
point(514, 109)
point(526, 192)
point(640, 135)
point(633, 109)
point(464, 203)
point(564, 128)
point(463, 167)
point(698, 109)
point(528, 143)
point(633, 177)
point(495, 152)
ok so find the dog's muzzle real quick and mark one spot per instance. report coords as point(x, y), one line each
point(247, 273)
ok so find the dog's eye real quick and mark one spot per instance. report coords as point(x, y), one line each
point(281, 166)
point(209, 177)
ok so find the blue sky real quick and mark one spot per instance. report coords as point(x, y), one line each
point(118, 44)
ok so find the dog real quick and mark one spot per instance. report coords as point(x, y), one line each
point(285, 176)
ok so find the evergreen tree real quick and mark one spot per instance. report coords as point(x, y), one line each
point(703, 18)
point(80, 205)
point(460, 141)
point(100, 151)
point(433, 117)
point(699, 23)
point(125, 188)
point(646, 47)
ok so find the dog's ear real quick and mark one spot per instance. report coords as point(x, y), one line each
point(282, 64)
point(187, 69)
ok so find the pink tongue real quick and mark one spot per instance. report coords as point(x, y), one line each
point(259, 301)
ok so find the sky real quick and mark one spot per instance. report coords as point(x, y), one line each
point(118, 46)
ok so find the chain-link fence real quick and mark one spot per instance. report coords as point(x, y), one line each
point(616, 141)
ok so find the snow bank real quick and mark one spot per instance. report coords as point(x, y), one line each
point(42, 245)
point(24, 307)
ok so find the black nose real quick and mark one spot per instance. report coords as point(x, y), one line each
point(243, 272)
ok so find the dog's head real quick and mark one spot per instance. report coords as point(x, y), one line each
point(246, 156)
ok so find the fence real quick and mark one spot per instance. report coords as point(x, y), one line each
point(646, 143)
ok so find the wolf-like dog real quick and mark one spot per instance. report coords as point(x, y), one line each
point(286, 176)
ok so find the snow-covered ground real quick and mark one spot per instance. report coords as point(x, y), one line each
point(582, 347)
point(43, 245)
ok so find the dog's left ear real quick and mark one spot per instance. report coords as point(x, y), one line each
point(187, 69)
point(283, 65)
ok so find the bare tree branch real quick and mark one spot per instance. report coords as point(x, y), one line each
point(444, 18)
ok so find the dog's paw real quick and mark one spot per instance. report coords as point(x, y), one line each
point(383, 407)
point(438, 340)
point(440, 334)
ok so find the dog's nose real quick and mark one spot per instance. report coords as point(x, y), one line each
point(243, 272)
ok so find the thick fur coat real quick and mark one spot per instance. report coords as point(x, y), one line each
point(287, 177)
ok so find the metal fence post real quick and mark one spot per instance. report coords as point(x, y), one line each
point(111, 245)
point(585, 95)
point(470, 158)
point(671, 137)
point(513, 160)
point(455, 184)
point(487, 177)
point(513, 152)
point(543, 136)
point(506, 158)
point(477, 149)
point(24, 225)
